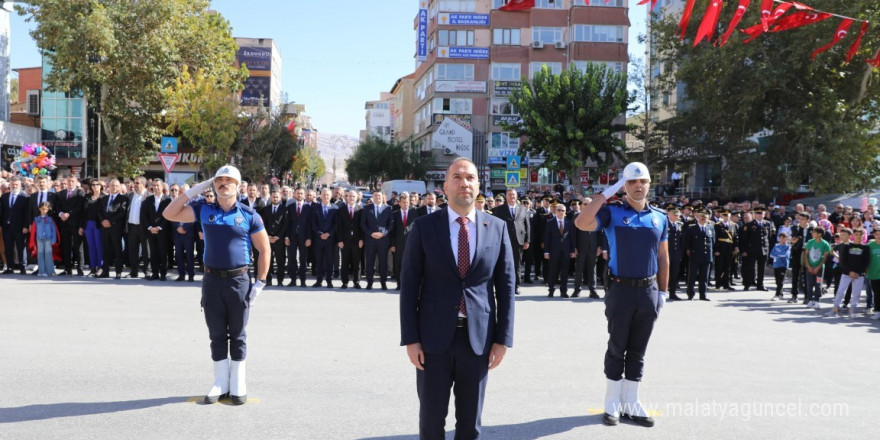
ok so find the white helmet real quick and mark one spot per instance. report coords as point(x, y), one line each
point(229, 171)
point(636, 170)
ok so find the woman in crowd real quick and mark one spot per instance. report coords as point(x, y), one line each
point(90, 226)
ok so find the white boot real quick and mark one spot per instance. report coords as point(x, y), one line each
point(612, 402)
point(237, 387)
point(632, 407)
point(221, 381)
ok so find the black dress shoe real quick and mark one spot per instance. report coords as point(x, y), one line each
point(527, 281)
point(132, 275)
point(180, 278)
point(745, 288)
point(344, 286)
point(8, 271)
point(563, 294)
point(647, 422)
point(610, 420)
point(674, 297)
point(154, 277)
point(210, 400)
point(67, 272)
point(241, 400)
point(703, 298)
point(369, 286)
point(594, 295)
point(552, 291)
point(268, 282)
point(317, 284)
point(576, 293)
point(356, 285)
point(35, 272)
point(191, 279)
point(292, 283)
point(762, 288)
point(79, 272)
point(329, 284)
point(384, 287)
point(118, 276)
point(162, 278)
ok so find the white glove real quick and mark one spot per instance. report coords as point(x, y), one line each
point(613, 189)
point(661, 300)
point(256, 290)
point(199, 188)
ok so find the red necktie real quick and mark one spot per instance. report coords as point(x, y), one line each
point(464, 257)
point(351, 212)
point(404, 219)
point(298, 207)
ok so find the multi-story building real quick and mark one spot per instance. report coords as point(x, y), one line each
point(379, 121)
point(263, 61)
point(403, 108)
point(470, 55)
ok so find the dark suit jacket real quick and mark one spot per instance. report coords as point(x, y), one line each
point(299, 227)
point(349, 227)
point(34, 209)
point(554, 243)
point(325, 224)
point(431, 287)
point(151, 218)
point(518, 225)
point(258, 204)
point(16, 217)
point(117, 213)
point(369, 223)
point(699, 240)
point(422, 211)
point(398, 237)
point(585, 241)
point(276, 224)
point(73, 206)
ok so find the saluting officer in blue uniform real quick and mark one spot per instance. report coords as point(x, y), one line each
point(698, 240)
point(639, 271)
point(229, 227)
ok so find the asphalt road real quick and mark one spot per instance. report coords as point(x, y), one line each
point(106, 359)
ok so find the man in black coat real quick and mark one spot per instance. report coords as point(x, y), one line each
point(350, 240)
point(403, 219)
point(699, 239)
point(587, 246)
point(112, 213)
point(559, 247)
point(275, 220)
point(675, 244)
point(15, 219)
point(517, 219)
point(755, 239)
point(71, 203)
point(377, 224)
point(158, 230)
point(299, 237)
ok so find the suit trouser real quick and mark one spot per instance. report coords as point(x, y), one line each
point(698, 272)
point(112, 240)
point(183, 250)
point(297, 259)
point(457, 368)
point(748, 269)
point(279, 256)
point(374, 249)
point(398, 261)
point(558, 271)
point(137, 240)
point(158, 253)
point(351, 261)
point(225, 302)
point(71, 248)
point(631, 312)
point(324, 258)
point(722, 267)
point(15, 249)
point(517, 261)
point(585, 270)
point(674, 269)
point(528, 257)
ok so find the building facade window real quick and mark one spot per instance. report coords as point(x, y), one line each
point(501, 106)
point(617, 67)
point(455, 38)
point(454, 72)
point(506, 37)
point(547, 35)
point(457, 106)
point(548, 4)
point(555, 68)
point(457, 5)
point(506, 71)
point(598, 33)
point(62, 120)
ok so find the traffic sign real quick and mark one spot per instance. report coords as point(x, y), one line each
point(511, 180)
point(273, 181)
point(513, 163)
point(585, 177)
point(168, 145)
point(168, 161)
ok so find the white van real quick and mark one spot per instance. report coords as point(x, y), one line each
point(400, 186)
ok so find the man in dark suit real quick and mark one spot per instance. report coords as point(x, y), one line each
point(71, 203)
point(587, 246)
point(403, 219)
point(349, 239)
point(699, 239)
point(517, 219)
point(754, 247)
point(430, 205)
point(184, 236)
point(43, 184)
point(559, 247)
point(377, 224)
point(15, 219)
point(112, 212)
point(675, 244)
point(324, 228)
point(298, 238)
point(158, 229)
point(137, 238)
point(456, 305)
point(275, 220)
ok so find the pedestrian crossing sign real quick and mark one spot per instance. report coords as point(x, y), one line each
point(168, 145)
point(511, 180)
point(513, 163)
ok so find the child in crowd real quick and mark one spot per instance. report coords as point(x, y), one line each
point(816, 251)
point(46, 235)
point(781, 254)
point(854, 259)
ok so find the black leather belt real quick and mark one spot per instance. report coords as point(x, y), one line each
point(462, 322)
point(232, 273)
point(634, 282)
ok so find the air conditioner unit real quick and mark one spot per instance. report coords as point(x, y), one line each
point(560, 45)
point(537, 44)
point(33, 103)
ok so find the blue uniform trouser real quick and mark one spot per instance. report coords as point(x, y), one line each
point(698, 272)
point(631, 312)
point(225, 302)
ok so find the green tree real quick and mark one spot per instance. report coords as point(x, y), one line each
point(815, 120)
point(264, 147)
point(376, 159)
point(205, 110)
point(122, 55)
point(573, 117)
point(308, 166)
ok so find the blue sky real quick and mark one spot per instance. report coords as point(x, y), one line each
point(336, 55)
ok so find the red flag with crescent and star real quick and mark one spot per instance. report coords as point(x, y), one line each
point(734, 22)
point(518, 5)
point(876, 60)
point(766, 14)
point(685, 18)
point(839, 34)
point(798, 19)
point(855, 46)
point(710, 22)
point(771, 18)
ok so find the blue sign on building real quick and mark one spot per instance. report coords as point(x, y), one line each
point(473, 53)
point(469, 19)
point(168, 145)
point(423, 34)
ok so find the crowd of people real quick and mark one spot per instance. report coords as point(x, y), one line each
point(335, 235)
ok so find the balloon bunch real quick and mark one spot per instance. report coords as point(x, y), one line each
point(34, 160)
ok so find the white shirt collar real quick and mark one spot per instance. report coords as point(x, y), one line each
point(453, 216)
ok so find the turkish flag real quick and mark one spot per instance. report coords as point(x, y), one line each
point(767, 19)
point(798, 19)
point(766, 13)
point(855, 46)
point(734, 22)
point(518, 5)
point(876, 60)
point(839, 34)
point(710, 22)
point(685, 18)
point(653, 3)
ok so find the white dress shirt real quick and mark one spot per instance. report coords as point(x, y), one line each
point(453, 232)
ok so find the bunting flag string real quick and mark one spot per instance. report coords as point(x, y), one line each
point(841, 32)
point(710, 22)
point(734, 22)
point(855, 46)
